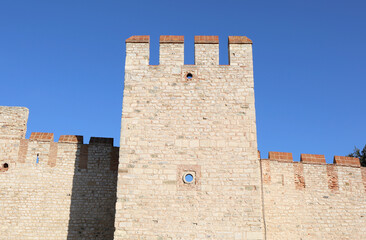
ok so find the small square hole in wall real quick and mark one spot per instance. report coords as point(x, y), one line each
point(188, 177)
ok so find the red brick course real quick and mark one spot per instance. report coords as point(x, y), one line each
point(280, 156)
point(171, 39)
point(312, 158)
point(239, 40)
point(347, 161)
point(71, 139)
point(52, 156)
point(206, 39)
point(299, 176)
point(332, 176)
point(23, 149)
point(40, 136)
point(139, 39)
point(83, 159)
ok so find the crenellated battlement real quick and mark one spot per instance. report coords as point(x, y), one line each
point(343, 172)
point(77, 139)
point(41, 150)
point(66, 184)
point(40, 147)
point(314, 159)
point(206, 51)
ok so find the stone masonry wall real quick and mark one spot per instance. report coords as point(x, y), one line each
point(313, 200)
point(178, 120)
point(174, 125)
point(68, 193)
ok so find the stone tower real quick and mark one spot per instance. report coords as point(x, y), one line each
point(189, 167)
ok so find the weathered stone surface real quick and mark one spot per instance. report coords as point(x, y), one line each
point(188, 166)
point(54, 198)
point(175, 124)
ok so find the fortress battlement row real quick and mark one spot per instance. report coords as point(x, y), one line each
point(188, 165)
point(171, 51)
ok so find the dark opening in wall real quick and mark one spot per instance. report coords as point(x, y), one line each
point(189, 76)
point(5, 165)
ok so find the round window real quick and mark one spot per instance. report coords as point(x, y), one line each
point(189, 76)
point(188, 178)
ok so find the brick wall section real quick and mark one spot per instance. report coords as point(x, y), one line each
point(332, 175)
point(171, 39)
point(83, 162)
point(52, 156)
point(206, 39)
point(23, 149)
point(138, 39)
point(312, 158)
point(71, 139)
point(280, 156)
point(239, 40)
point(347, 161)
point(299, 176)
point(41, 136)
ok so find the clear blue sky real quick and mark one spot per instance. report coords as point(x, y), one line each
point(64, 60)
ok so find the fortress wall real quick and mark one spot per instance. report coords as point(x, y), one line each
point(13, 126)
point(173, 125)
point(55, 198)
point(313, 200)
point(13, 122)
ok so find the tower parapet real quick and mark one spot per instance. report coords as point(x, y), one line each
point(206, 51)
point(188, 144)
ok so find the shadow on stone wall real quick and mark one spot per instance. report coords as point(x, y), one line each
point(93, 196)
